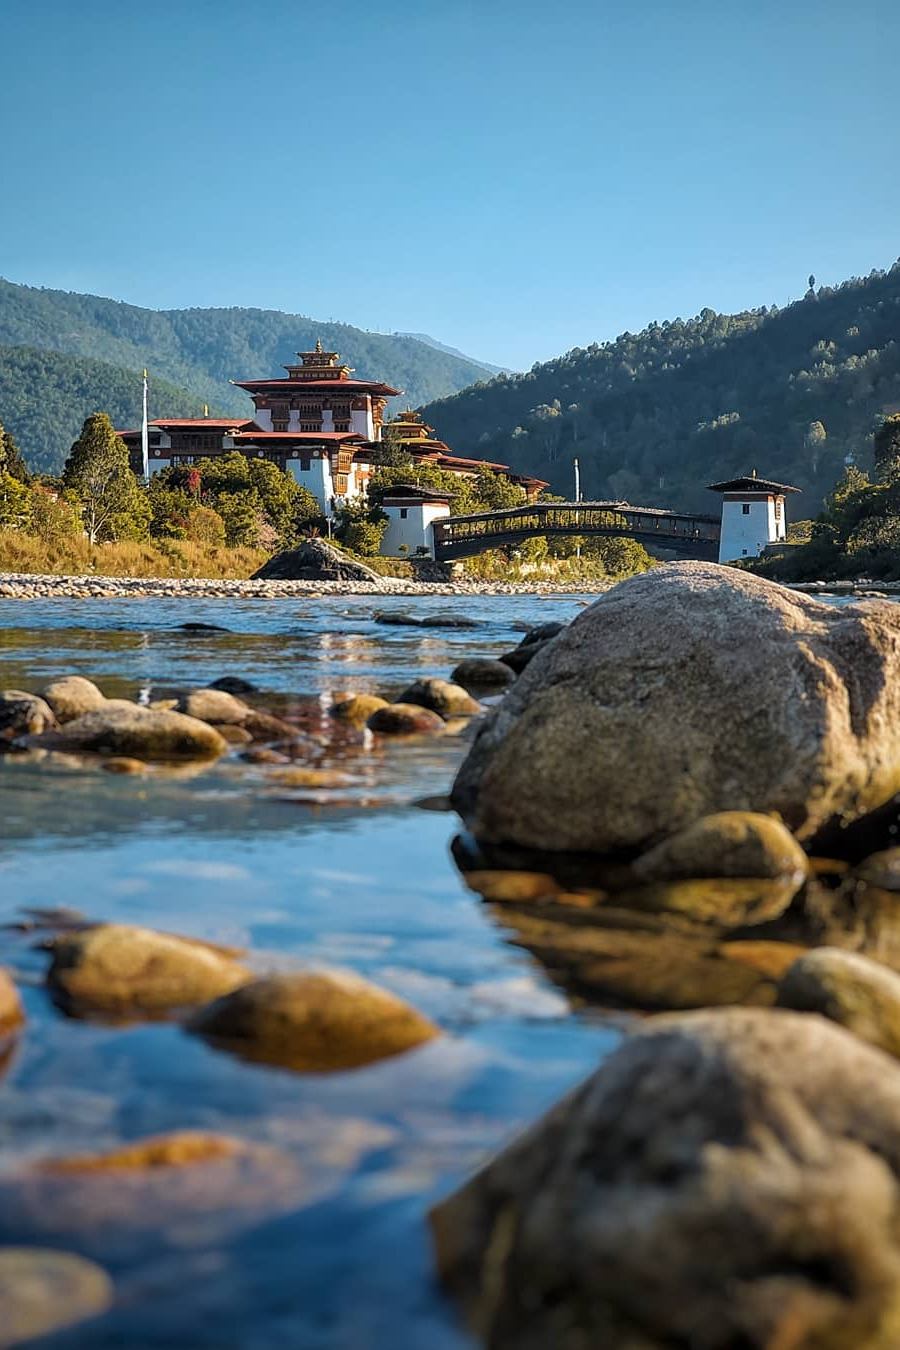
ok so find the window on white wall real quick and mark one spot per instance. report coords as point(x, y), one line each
point(403, 512)
point(745, 509)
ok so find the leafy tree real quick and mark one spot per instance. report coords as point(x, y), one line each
point(15, 503)
point(11, 460)
point(361, 526)
point(887, 441)
point(97, 471)
point(205, 526)
point(53, 515)
point(242, 516)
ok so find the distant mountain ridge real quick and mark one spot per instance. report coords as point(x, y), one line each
point(45, 397)
point(454, 351)
point(197, 351)
point(654, 416)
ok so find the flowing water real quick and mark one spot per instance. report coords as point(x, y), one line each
point(336, 1253)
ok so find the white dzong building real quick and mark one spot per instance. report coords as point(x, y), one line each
point(753, 515)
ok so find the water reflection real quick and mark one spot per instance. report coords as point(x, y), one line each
point(339, 1257)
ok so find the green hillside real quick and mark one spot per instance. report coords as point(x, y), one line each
point(45, 397)
point(654, 416)
point(200, 350)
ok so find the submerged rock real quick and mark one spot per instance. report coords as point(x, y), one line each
point(405, 719)
point(123, 970)
point(42, 1291)
point(180, 1148)
point(860, 994)
point(316, 1021)
point(725, 1178)
point(316, 560)
point(72, 696)
point(235, 684)
point(481, 673)
point(23, 714)
point(357, 709)
point(140, 733)
point(728, 901)
point(11, 1014)
point(441, 696)
point(728, 844)
point(690, 690)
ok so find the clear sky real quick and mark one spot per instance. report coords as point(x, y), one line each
point(513, 177)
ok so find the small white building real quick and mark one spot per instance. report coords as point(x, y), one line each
point(411, 513)
point(753, 515)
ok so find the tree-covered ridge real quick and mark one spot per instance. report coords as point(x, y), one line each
point(45, 397)
point(200, 350)
point(654, 416)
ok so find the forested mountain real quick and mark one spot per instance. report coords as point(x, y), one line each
point(45, 397)
point(654, 416)
point(200, 350)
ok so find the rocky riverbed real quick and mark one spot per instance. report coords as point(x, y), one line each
point(679, 808)
point(26, 586)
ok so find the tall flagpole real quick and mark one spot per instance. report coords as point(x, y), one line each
point(145, 437)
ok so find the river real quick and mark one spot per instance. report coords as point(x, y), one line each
point(358, 877)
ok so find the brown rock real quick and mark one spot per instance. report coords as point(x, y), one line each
point(860, 994)
point(262, 726)
point(127, 971)
point(73, 696)
point(690, 690)
point(357, 709)
point(441, 696)
point(881, 870)
point(11, 1014)
point(23, 714)
point(133, 732)
point(405, 719)
point(42, 1291)
point(316, 1021)
point(729, 901)
point(233, 734)
point(728, 844)
point(726, 1178)
point(214, 706)
point(483, 674)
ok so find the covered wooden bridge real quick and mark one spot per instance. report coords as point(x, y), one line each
point(690, 536)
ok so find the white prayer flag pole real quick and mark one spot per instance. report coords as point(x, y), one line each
point(145, 437)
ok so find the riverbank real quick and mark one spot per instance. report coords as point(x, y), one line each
point(27, 586)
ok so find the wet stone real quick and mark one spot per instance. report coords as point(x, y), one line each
point(314, 1021)
point(213, 706)
point(133, 732)
point(122, 764)
point(860, 994)
point(406, 719)
point(11, 1014)
point(23, 714)
point(73, 696)
point(483, 674)
point(126, 971)
point(441, 696)
point(881, 869)
point(42, 1291)
point(357, 709)
point(727, 844)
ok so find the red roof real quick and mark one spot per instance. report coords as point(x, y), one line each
point(319, 386)
point(457, 461)
point(298, 436)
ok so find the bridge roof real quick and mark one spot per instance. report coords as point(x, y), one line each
point(749, 482)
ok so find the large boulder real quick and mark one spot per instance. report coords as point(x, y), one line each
point(690, 690)
point(315, 560)
point(727, 1178)
point(126, 729)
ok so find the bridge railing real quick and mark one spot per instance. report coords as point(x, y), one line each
point(541, 518)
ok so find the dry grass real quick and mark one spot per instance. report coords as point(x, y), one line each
point(72, 555)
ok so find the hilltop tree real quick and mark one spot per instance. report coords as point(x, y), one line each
point(97, 471)
point(887, 441)
point(11, 460)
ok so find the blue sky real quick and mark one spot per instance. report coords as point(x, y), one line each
point(513, 177)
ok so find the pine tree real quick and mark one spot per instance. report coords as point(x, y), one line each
point(887, 442)
point(97, 470)
point(11, 460)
